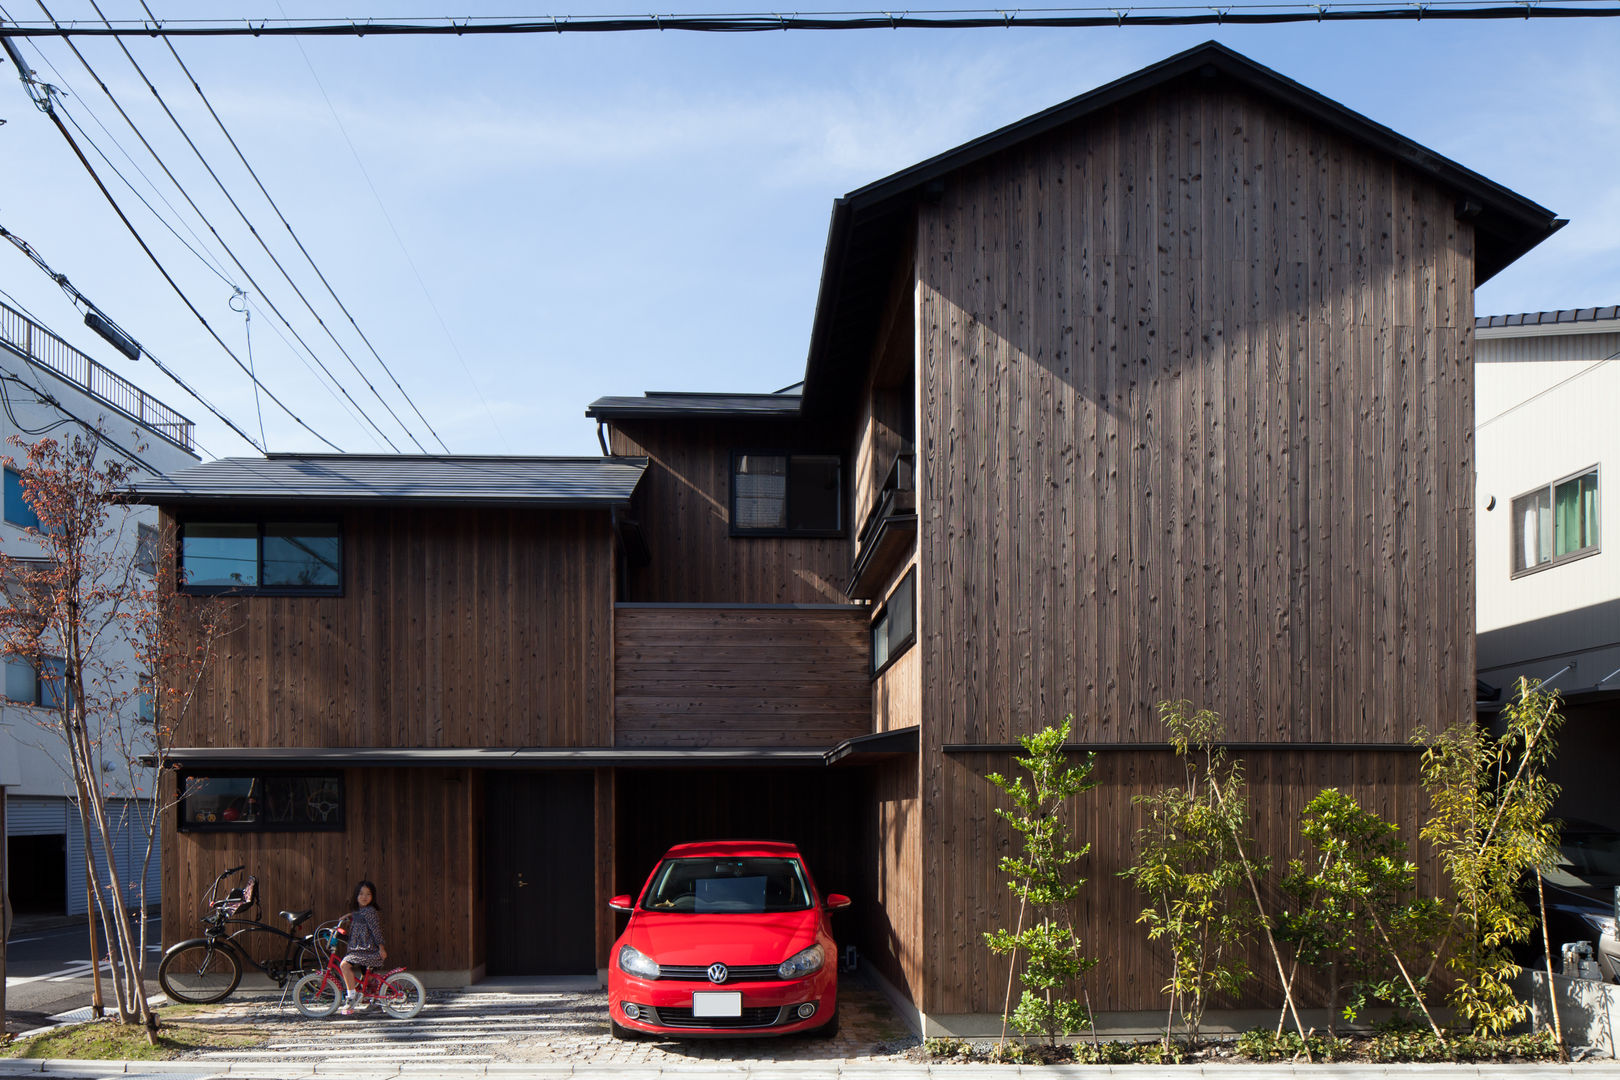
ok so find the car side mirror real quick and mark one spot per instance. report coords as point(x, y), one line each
point(837, 901)
point(621, 903)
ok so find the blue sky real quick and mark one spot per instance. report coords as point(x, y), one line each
point(596, 214)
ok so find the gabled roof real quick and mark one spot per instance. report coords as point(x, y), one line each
point(869, 224)
point(667, 404)
point(402, 478)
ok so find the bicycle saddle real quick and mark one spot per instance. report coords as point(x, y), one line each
point(296, 917)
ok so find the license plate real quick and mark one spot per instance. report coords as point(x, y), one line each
point(725, 1004)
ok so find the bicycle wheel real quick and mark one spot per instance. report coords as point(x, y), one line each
point(199, 972)
point(305, 960)
point(402, 995)
point(318, 994)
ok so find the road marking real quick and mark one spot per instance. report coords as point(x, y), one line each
point(77, 970)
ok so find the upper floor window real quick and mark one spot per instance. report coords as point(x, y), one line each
point(280, 557)
point(18, 511)
point(45, 686)
point(782, 494)
point(895, 628)
point(1556, 523)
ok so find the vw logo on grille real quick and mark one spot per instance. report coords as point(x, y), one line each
point(717, 973)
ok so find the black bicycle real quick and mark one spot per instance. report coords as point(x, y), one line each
point(203, 970)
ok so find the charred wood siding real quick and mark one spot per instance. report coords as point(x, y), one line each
point(684, 509)
point(415, 832)
point(456, 628)
point(740, 676)
point(1195, 423)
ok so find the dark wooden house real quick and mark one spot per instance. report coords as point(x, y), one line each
point(1163, 393)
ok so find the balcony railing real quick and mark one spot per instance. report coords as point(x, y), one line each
point(46, 349)
point(889, 531)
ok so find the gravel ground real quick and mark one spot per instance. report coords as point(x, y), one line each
point(466, 1026)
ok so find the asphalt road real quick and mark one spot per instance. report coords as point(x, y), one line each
point(48, 972)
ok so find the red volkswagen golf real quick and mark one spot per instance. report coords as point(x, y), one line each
point(728, 938)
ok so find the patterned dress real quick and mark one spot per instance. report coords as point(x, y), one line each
point(365, 938)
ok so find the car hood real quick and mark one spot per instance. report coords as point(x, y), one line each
point(732, 939)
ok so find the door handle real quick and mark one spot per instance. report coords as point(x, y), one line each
point(521, 882)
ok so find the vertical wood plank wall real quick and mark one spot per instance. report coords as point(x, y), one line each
point(684, 507)
point(1196, 405)
point(457, 627)
point(404, 830)
point(740, 676)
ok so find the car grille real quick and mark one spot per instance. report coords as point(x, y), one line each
point(740, 973)
point(765, 1016)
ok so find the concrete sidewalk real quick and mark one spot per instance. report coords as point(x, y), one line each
point(745, 1070)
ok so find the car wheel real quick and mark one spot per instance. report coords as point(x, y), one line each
point(622, 1033)
point(829, 1029)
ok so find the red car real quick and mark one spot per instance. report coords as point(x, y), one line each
point(729, 938)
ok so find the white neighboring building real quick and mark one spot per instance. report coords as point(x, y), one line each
point(44, 843)
point(1547, 443)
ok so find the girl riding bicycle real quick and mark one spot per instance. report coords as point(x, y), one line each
point(366, 945)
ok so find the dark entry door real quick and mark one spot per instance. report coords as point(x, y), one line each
point(539, 868)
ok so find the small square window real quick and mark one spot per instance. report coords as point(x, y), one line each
point(780, 494)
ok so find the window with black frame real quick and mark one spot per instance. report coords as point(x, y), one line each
point(895, 628)
point(287, 558)
point(786, 494)
point(261, 802)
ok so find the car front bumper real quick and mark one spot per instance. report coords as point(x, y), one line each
point(665, 1007)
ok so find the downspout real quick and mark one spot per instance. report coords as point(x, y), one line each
point(602, 439)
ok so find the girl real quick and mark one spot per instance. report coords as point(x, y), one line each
point(366, 945)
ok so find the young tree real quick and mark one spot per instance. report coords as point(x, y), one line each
point(1189, 865)
point(173, 642)
point(68, 603)
point(1490, 799)
point(1355, 914)
point(1044, 882)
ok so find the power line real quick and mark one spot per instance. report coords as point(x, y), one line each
point(358, 418)
point(193, 204)
point(305, 251)
point(762, 22)
point(43, 100)
point(400, 240)
point(79, 298)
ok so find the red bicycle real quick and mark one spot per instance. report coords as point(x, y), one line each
point(320, 993)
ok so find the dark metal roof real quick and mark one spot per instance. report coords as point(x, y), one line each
point(852, 751)
point(1550, 318)
point(673, 404)
point(869, 225)
point(402, 478)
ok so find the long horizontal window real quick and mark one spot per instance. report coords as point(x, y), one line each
point(780, 494)
point(1556, 523)
point(270, 556)
point(268, 802)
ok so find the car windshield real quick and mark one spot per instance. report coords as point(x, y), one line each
point(1587, 858)
point(749, 886)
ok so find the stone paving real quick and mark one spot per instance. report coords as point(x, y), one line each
point(466, 1027)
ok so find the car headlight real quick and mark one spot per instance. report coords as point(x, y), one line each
point(1602, 925)
point(635, 962)
point(802, 963)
